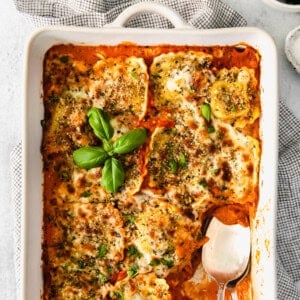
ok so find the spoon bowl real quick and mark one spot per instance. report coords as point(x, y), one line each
point(225, 255)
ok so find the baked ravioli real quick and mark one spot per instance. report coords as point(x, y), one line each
point(200, 109)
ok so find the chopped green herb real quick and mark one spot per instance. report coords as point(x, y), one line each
point(133, 270)
point(173, 166)
point(53, 98)
point(43, 123)
point(64, 175)
point(81, 264)
point(129, 219)
point(133, 74)
point(167, 262)
point(133, 252)
point(203, 182)
point(210, 129)
point(233, 108)
point(182, 160)
point(102, 278)
point(118, 295)
point(170, 249)
point(64, 59)
point(85, 194)
point(102, 250)
point(154, 262)
point(214, 171)
point(170, 146)
point(109, 269)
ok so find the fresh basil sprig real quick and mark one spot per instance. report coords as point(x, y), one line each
point(99, 121)
point(113, 174)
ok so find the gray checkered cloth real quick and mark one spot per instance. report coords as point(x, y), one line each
point(200, 14)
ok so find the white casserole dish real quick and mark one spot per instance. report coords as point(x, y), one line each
point(263, 272)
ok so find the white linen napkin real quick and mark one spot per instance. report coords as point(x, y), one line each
point(200, 14)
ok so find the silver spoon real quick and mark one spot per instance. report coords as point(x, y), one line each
point(231, 285)
point(226, 254)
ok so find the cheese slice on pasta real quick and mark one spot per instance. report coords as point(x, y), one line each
point(233, 96)
point(80, 241)
point(222, 165)
point(179, 76)
point(120, 85)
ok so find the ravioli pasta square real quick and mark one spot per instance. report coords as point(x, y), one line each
point(119, 85)
point(176, 77)
point(199, 107)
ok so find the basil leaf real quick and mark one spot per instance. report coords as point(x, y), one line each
point(113, 175)
point(206, 111)
point(89, 157)
point(99, 121)
point(130, 141)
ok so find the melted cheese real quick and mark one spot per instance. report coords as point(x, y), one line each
point(231, 96)
point(221, 165)
point(140, 242)
point(86, 238)
point(165, 234)
point(120, 86)
point(179, 76)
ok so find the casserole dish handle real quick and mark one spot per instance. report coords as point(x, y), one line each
point(150, 7)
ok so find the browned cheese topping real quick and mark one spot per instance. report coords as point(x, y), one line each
point(201, 109)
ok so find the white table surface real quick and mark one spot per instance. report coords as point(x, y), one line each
point(15, 31)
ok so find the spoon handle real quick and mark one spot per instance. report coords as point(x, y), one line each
point(234, 295)
point(221, 291)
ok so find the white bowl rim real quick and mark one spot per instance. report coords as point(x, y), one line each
point(283, 6)
point(292, 37)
